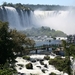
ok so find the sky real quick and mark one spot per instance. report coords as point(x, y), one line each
point(45, 2)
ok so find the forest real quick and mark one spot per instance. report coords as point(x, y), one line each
point(42, 31)
point(37, 7)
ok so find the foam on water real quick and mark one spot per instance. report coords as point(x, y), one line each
point(37, 70)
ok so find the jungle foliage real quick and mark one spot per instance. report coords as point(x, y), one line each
point(42, 31)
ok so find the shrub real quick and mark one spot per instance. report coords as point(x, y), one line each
point(6, 72)
point(29, 66)
point(58, 57)
point(46, 57)
point(61, 64)
point(6, 69)
point(26, 57)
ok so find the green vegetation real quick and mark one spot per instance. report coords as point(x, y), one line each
point(6, 69)
point(26, 57)
point(6, 44)
point(17, 6)
point(47, 7)
point(38, 6)
point(69, 49)
point(62, 64)
point(6, 72)
point(12, 42)
point(42, 31)
point(46, 57)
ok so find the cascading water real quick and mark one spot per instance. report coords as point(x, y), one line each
point(37, 67)
point(22, 19)
point(13, 17)
point(19, 19)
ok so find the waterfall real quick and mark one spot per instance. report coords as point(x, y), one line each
point(18, 19)
point(13, 17)
point(22, 19)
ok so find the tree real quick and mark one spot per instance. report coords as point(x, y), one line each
point(4, 4)
point(67, 48)
point(5, 43)
point(20, 41)
point(11, 41)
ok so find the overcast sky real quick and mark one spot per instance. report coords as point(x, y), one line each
point(49, 2)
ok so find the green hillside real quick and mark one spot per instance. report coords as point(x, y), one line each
point(42, 31)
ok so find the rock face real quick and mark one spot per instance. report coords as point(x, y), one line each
point(29, 66)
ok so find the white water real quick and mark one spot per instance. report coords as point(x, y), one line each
point(37, 70)
point(17, 19)
point(13, 17)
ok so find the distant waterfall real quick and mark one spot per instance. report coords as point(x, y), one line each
point(59, 20)
point(22, 19)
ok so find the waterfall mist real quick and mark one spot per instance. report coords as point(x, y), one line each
point(59, 20)
point(21, 19)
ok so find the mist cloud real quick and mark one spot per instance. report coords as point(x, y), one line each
point(59, 20)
